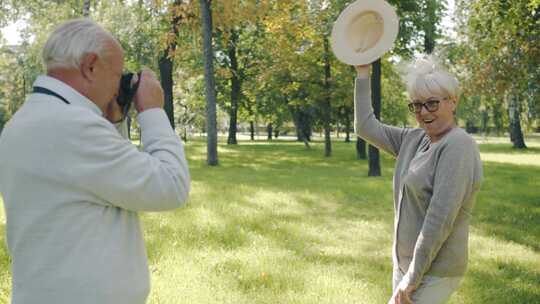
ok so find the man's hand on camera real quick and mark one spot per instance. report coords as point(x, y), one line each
point(114, 112)
point(150, 94)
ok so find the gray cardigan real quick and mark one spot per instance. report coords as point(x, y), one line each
point(435, 186)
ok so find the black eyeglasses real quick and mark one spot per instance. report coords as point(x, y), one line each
point(431, 105)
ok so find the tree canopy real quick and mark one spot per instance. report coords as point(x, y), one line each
point(273, 68)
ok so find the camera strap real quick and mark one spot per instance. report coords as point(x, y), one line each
point(45, 91)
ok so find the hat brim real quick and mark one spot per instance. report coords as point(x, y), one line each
point(340, 45)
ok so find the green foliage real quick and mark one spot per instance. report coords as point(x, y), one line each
point(394, 97)
point(23, 63)
point(190, 106)
point(499, 53)
point(419, 20)
point(12, 82)
point(280, 53)
point(136, 27)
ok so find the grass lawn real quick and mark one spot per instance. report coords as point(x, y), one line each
point(276, 223)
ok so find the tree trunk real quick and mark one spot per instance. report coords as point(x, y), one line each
point(374, 162)
point(429, 26)
point(2, 118)
point(514, 113)
point(86, 8)
point(374, 167)
point(211, 121)
point(485, 121)
point(303, 128)
point(251, 130)
point(166, 66)
point(251, 123)
point(348, 125)
point(497, 119)
point(128, 122)
point(165, 72)
point(360, 148)
point(326, 102)
point(269, 131)
point(235, 88)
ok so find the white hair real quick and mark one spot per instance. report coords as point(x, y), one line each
point(73, 39)
point(426, 78)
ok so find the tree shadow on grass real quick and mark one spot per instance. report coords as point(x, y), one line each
point(311, 180)
point(508, 205)
point(286, 161)
point(279, 226)
point(235, 235)
point(249, 279)
point(507, 149)
point(501, 282)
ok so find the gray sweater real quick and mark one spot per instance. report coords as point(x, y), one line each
point(435, 186)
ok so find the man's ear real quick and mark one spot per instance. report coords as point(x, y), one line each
point(88, 65)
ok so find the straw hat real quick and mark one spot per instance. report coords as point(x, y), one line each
point(364, 31)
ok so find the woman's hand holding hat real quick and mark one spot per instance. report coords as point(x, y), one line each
point(364, 31)
point(362, 71)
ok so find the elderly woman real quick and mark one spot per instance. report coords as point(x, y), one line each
point(438, 173)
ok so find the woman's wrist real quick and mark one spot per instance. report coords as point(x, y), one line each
point(362, 71)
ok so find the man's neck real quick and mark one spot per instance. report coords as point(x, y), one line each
point(73, 78)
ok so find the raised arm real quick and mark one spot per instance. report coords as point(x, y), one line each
point(387, 138)
point(154, 179)
point(113, 170)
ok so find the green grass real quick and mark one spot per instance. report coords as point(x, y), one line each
point(276, 223)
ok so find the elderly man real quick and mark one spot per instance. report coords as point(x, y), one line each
point(72, 185)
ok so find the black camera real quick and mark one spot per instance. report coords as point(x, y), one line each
point(127, 91)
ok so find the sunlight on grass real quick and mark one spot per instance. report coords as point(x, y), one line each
point(500, 272)
point(500, 150)
point(276, 223)
point(530, 141)
point(5, 274)
point(516, 159)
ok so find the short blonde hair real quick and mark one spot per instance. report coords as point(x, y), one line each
point(426, 78)
point(73, 39)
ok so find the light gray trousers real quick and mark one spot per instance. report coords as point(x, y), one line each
point(432, 290)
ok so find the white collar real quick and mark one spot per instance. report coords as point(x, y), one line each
point(66, 91)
